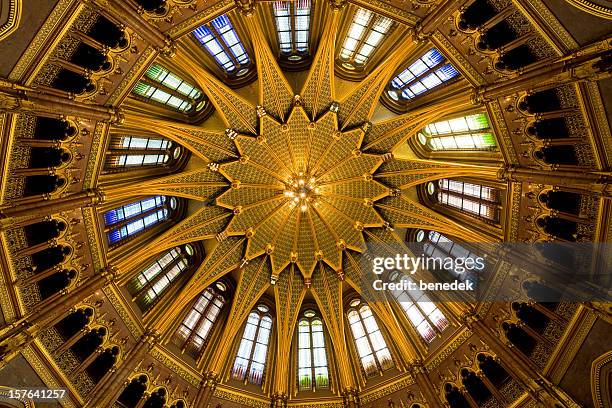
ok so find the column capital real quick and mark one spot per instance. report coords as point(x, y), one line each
point(246, 7)
point(337, 5)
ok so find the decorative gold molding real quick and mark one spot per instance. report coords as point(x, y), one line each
point(449, 349)
point(458, 60)
point(12, 20)
point(124, 311)
point(206, 15)
point(96, 156)
point(131, 77)
point(601, 394)
point(43, 371)
point(569, 345)
point(394, 13)
point(182, 370)
point(40, 41)
point(592, 8)
point(379, 392)
point(240, 398)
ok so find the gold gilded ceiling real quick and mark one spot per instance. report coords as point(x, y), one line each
point(303, 176)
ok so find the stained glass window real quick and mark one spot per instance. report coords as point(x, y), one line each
point(313, 372)
point(138, 151)
point(428, 72)
point(365, 34)
point(220, 39)
point(133, 218)
point(293, 27)
point(472, 132)
point(250, 362)
point(439, 246)
point(151, 283)
point(169, 89)
point(369, 342)
point(197, 325)
point(423, 314)
point(472, 198)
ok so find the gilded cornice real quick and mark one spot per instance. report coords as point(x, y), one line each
point(40, 41)
point(13, 18)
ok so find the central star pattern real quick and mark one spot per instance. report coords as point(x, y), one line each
point(302, 191)
point(296, 186)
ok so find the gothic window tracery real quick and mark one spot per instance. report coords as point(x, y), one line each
point(150, 284)
point(473, 199)
point(128, 152)
point(250, 362)
point(313, 370)
point(439, 246)
point(422, 313)
point(371, 346)
point(194, 331)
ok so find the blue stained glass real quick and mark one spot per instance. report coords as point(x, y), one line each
point(220, 22)
point(111, 217)
point(432, 57)
point(422, 76)
point(114, 236)
point(447, 72)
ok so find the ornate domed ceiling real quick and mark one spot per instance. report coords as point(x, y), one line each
point(198, 234)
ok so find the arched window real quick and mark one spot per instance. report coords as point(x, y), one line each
point(472, 132)
point(293, 27)
point(197, 325)
point(438, 246)
point(151, 283)
point(130, 152)
point(371, 347)
point(131, 219)
point(250, 362)
point(474, 199)
point(313, 371)
point(420, 310)
point(162, 86)
point(221, 41)
point(426, 73)
point(365, 34)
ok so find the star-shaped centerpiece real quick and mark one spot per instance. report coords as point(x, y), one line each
point(302, 191)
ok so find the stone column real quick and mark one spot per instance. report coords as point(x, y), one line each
point(540, 389)
point(589, 63)
point(48, 207)
point(419, 372)
point(110, 388)
point(17, 336)
point(18, 98)
point(350, 398)
point(131, 17)
point(207, 389)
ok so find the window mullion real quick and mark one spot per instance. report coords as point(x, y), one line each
point(198, 323)
point(367, 336)
point(293, 19)
point(161, 86)
point(142, 215)
point(424, 74)
point(250, 362)
point(362, 40)
point(312, 359)
point(223, 45)
point(158, 277)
